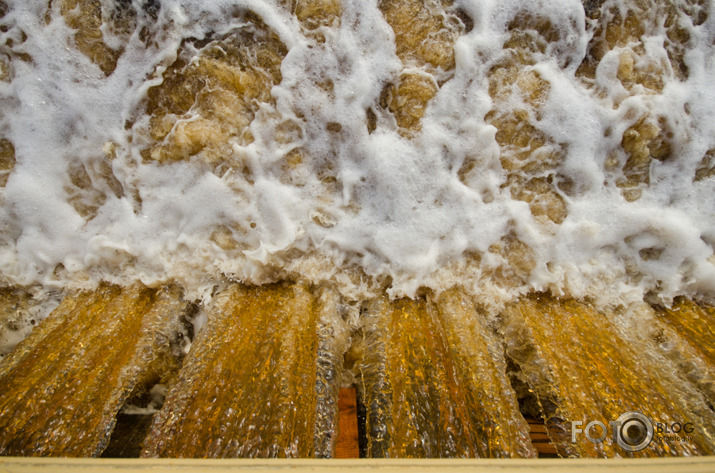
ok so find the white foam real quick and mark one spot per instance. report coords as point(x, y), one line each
point(401, 211)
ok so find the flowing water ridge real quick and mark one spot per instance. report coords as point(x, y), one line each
point(476, 212)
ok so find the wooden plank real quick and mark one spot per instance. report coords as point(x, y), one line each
point(540, 438)
point(347, 445)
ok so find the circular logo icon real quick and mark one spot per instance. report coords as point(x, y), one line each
point(634, 431)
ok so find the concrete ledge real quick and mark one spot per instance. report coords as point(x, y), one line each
point(28, 465)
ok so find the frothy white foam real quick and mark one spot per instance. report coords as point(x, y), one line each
point(401, 209)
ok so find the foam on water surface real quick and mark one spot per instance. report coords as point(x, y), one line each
point(518, 147)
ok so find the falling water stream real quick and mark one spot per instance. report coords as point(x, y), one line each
point(476, 212)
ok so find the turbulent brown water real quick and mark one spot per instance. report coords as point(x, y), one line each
point(499, 146)
point(474, 211)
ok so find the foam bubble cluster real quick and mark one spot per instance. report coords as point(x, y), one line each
point(500, 146)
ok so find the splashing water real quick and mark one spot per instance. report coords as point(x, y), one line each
point(395, 145)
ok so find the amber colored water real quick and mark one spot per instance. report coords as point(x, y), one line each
point(435, 384)
point(581, 367)
point(248, 388)
point(435, 374)
point(63, 385)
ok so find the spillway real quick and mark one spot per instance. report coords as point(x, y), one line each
point(456, 228)
point(434, 374)
point(64, 384)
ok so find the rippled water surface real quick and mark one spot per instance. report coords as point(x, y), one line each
point(501, 146)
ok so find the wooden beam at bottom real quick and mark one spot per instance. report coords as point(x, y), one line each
point(642, 465)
